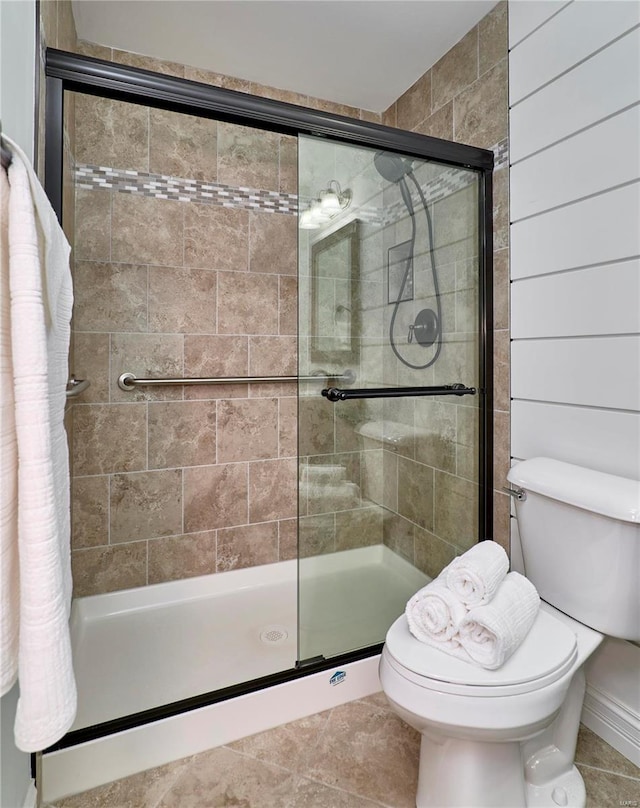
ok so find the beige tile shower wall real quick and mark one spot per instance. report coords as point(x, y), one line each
point(390, 485)
point(267, 491)
point(463, 97)
point(172, 482)
point(426, 479)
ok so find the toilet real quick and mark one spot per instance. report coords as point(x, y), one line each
point(506, 738)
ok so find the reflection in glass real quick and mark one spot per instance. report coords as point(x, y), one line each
point(388, 488)
point(335, 314)
point(400, 272)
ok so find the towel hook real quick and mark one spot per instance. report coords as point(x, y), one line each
point(5, 152)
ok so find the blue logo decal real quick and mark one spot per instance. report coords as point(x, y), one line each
point(337, 678)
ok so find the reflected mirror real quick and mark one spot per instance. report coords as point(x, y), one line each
point(335, 307)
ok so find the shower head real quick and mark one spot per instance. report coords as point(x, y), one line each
point(392, 167)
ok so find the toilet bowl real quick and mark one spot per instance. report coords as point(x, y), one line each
point(478, 725)
point(506, 738)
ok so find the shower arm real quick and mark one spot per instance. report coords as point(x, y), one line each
point(337, 394)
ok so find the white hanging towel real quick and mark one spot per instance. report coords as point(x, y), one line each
point(40, 314)
point(475, 576)
point(491, 633)
point(9, 571)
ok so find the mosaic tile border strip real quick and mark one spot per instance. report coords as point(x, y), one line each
point(501, 154)
point(445, 184)
point(161, 186)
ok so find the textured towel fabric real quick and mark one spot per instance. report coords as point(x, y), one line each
point(40, 314)
point(491, 633)
point(9, 571)
point(451, 647)
point(434, 613)
point(475, 576)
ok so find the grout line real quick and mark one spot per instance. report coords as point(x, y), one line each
point(574, 133)
point(183, 388)
point(146, 404)
point(574, 66)
point(571, 202)
point(598, 264)
point(344, 791)
point(542, 24)
point(109, 484)
point(609, 771)
point(565, 337)
point(178, 775)
point(543, 401)
point(148, 138)
point(110, 226)
point(242, 753)
point(217, 325)
point(182, 523)
point(248, 478)
point(215, 405)
point(184, 240)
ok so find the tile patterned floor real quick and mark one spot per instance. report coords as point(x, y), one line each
point(359, 755)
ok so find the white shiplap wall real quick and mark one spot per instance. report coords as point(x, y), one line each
point(574, 85)
point(575, 234)
point(17, 72)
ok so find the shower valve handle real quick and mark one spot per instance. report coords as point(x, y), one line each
point(424, 330)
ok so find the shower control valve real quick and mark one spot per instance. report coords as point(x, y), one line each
point(424, 329)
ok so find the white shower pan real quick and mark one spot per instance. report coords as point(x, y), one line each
point(138, 649)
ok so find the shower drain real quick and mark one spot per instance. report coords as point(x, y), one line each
point(273, 635)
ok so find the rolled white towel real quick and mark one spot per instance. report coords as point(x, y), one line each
point(475, 576)
point(491, 633)
point(434, 613)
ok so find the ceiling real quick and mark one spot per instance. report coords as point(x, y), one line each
point(364, 53)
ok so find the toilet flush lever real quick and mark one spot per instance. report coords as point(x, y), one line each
point(518, 493)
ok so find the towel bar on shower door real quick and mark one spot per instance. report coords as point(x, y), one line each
point(337, 394)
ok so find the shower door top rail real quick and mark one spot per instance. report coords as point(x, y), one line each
point(337, 394)
point(191, 97)
point(129, 381)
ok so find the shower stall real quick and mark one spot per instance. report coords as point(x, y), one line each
point(284, 317)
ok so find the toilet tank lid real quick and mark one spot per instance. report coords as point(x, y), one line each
point(605, 494)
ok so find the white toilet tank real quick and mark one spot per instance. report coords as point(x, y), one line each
point(580, 536)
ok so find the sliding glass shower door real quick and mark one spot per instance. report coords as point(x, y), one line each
point(389, 322)
point(287, 340)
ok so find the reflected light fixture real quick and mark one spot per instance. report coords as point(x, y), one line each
point(331, 201)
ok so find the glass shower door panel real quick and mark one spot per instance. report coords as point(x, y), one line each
point(388, 300)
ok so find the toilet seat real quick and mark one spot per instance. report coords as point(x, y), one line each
point(547, 653)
